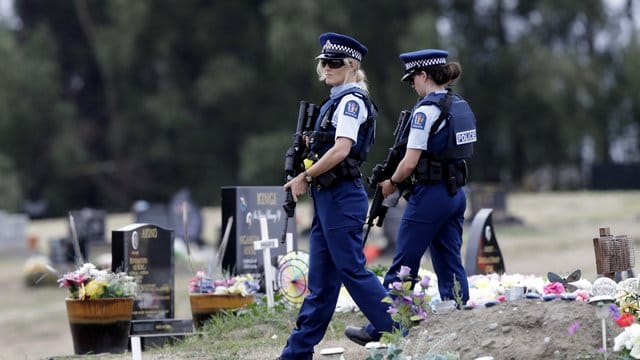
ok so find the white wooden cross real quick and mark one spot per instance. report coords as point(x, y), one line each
point(265, 244)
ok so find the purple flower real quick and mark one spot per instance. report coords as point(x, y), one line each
point(424, 283)
point(573, 328)
point(392, 310)
point(615, 312)
point(396, 285)
point(404, 271)
point(407, 299)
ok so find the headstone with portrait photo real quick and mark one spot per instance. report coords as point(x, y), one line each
point(145, 251)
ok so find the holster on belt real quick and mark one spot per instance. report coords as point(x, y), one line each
point(349, 168)
point(453, 173)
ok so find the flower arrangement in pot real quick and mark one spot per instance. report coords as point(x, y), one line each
point(88, 282)
point(99, 307)
point(209, 296)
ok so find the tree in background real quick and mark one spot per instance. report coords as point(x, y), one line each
point(111, 101)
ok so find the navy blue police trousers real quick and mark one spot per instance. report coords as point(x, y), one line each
point(336, 258)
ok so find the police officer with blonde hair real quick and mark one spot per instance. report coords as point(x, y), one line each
point(343, 134)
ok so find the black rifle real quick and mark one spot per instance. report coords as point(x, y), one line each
point(295, 155)
point(384, 170)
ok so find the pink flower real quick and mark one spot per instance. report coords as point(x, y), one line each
point(582, 295)
point(72, 279)
point(553, 288)
point(501, 298)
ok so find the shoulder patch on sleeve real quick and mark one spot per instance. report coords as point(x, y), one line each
point(352, 108)
point(419, 120)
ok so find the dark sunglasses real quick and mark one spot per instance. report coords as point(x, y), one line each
point(332, 63)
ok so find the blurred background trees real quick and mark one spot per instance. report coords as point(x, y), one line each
point(103, 102)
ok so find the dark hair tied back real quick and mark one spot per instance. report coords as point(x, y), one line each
point(445, 74)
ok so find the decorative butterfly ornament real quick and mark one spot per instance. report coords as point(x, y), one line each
point(565, 281)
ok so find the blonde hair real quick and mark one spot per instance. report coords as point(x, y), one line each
point(359, 75)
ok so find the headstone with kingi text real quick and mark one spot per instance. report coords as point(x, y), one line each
point(247, 204)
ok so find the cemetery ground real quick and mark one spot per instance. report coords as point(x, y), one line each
point(555, 235)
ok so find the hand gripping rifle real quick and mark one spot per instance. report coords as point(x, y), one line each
point(295, 155)
point(384, 171)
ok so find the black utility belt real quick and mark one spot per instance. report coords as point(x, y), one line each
point(452, 173)
point(347, 169)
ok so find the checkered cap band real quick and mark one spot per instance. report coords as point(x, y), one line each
point(425, 63)
point(329, 47)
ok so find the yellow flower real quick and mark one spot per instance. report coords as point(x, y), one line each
point(95, 288)
point(483, 283)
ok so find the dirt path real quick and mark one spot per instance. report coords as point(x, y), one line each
point(556, 236)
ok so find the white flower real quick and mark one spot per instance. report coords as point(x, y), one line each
point(629, 339)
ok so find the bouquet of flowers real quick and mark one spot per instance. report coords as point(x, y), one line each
point(88, 282)
point(239, 285)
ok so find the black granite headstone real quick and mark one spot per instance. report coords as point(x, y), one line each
point(89, 225)
point(145, 252)
point(247, 204)
point(483, 254)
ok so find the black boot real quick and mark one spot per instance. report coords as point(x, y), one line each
point(358, 335)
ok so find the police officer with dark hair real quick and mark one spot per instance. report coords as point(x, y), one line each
point(344, 131)
point(441, 137)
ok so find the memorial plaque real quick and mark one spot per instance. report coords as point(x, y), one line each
point(483, 254)
point(247, 204)
point(145, 252)
point(159, 333)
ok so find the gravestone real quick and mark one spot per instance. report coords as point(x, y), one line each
point(89, 225)
point(492, 196)
point(193, 229)
point(13, 231)
point(145, 252)
point(483, 255)
point(145, 212)
point(247, 204)
point(90, 229)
